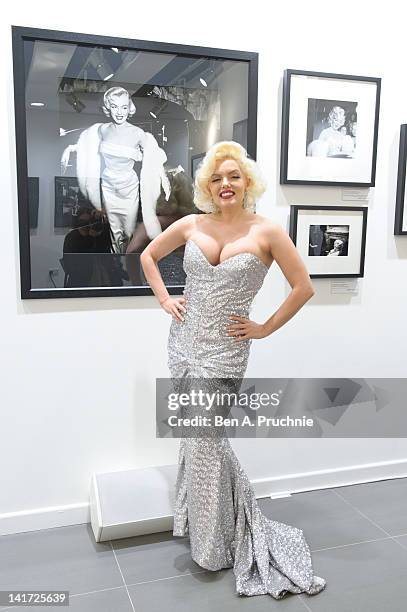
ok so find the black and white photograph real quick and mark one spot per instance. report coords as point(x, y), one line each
point(330, 239)
point(115, 130)
point(329, 129)
point(400, 217)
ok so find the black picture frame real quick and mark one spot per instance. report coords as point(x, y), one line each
point(400, 223)
point(22, 35)
point(285, 128)
point(295, 209)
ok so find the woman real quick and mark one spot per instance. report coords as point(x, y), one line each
point(227, 255)
point(332, 141)
point(119, 144)
point(338, 247)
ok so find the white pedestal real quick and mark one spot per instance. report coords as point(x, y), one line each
point(132, 502)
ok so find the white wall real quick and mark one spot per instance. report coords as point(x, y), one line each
point(77, 391)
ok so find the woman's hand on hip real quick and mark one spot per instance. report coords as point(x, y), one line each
point(174, 307)
point(244, 329)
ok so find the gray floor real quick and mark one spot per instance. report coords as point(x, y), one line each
point(357, 534)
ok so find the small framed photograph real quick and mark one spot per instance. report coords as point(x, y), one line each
point(400, 220)
point(330, 239)
point(329, 129)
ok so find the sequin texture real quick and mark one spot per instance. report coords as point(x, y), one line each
point(215, 504)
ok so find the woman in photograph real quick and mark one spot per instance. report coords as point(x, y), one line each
point(106, 153)
point(337, 248)
point(228, 253)
point(333, 141)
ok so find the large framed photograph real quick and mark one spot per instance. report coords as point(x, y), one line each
point(113, 128)
point(329, 129)
point(400, 219)
point(330, 239)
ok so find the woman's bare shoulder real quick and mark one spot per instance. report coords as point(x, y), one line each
point(103, 127)
point(187, 223)
point(269, 226)
point(136, 132)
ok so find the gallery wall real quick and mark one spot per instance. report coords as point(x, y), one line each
point(78, 375)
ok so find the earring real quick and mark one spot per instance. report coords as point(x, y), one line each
point(246, 204)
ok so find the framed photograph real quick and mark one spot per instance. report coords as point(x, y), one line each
point(330, 239)
point(400, 219)
point(329, 129)
point(112, 128)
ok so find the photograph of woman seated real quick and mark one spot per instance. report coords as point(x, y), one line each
point(228, 252)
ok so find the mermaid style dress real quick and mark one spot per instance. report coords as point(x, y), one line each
point(120, 188)
point(215, 504)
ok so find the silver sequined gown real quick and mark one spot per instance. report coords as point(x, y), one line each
point(215, 504)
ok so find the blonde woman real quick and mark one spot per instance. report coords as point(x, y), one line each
point(228, 253)
point(106, 153)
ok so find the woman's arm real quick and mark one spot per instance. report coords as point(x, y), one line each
point(173, 237)
point(287, 257)
point(66, 155)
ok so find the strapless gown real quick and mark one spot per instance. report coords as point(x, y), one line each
point(215, 504)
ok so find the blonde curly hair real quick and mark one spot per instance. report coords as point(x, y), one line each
point(227, 149)
point(117, 91)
